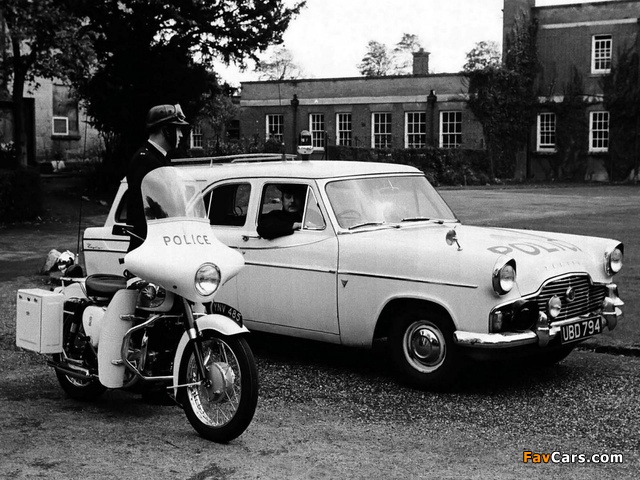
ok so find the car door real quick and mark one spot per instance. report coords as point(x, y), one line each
point(288, 284)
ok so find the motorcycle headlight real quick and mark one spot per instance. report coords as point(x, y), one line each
point(504, 277)
point(207, 279)
point(613, 260)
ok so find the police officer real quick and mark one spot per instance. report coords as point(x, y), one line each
point(164, 126)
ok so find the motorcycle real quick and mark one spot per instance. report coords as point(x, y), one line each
point(157, 328)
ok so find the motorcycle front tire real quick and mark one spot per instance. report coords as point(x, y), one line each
point(219, 414)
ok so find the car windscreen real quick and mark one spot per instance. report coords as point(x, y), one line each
point(386, 199)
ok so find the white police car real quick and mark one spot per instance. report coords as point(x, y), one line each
point(380, 255)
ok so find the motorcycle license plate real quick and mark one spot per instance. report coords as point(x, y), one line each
point(227, 311)
point(581, 329)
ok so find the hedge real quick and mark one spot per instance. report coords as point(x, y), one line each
point(441, 166)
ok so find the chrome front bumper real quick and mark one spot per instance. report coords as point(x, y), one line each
point(543, 332)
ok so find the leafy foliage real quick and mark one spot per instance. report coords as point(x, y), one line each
point(380, 60)
point(622, 99)
point(503, 98)
point(483, 55)
point(279, 66)
point(47, 40)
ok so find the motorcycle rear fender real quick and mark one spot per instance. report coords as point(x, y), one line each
point(215, 322)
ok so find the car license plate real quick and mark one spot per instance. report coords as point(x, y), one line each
point(581, 329)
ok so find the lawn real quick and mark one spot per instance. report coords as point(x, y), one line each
point(611, 211)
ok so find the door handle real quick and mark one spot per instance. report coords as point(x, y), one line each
point(247, 237)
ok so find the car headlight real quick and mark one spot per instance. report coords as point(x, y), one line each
point(207, 279)
point(554, 306)
point(613, 260)
point(504, 277)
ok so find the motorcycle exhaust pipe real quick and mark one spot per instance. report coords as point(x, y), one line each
point(80, 375)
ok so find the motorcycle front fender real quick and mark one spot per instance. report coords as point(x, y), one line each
point(215, 322)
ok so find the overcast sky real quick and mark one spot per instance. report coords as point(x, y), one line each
point(329, 37)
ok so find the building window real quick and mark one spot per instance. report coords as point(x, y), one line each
point(344, 129)
point(381, 130)
point(546, 132)
point(601, 54)
point(196, 136)
point(60, 125)
point(450, 129)
point(316, 127)
point(64, 112)
point(275, 127)
point(599, 131)
point(415, 130)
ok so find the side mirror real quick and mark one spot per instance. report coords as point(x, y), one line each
point(121, 230)
point(451, 238)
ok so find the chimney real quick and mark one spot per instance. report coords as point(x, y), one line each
point(421, 62)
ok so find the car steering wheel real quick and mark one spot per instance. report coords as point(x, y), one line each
point(349, 216)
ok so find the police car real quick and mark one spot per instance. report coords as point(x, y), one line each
point(379, 255)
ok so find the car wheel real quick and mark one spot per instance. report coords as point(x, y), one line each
point(423, 349)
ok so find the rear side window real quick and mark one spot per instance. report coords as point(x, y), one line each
point(228, 204)
point(121, 211)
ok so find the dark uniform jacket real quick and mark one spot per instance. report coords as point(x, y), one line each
point(277, 224)
point(145, 160)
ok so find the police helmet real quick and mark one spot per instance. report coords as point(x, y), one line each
point(162, 115)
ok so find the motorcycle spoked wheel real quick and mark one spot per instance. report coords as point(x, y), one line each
point(222, 411)
point(75, 347)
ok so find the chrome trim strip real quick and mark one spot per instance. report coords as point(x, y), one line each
point(288, 267)
point(408, 279)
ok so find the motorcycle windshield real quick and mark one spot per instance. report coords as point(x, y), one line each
point(168, 192)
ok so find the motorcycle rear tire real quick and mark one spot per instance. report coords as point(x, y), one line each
point(220, 417)
point(79, 389)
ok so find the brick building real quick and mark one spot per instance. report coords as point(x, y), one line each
point(404, 111)
point(586, 39)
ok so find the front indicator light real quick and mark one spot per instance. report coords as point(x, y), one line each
point(207, 279)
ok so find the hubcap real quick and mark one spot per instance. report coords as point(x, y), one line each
point(424, 346)
point(221, 380)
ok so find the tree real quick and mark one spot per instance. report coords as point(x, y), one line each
point(403, 53)
point(621, 89)
point(485, 54)
point(162, 51)
point(377, 61)
point(46, 40)
point(279, 66)
point(503, 98)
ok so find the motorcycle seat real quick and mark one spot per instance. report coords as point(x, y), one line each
point(104, 285)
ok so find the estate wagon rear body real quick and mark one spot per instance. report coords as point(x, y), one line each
point(359, 269)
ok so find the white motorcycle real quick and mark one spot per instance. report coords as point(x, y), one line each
point(157, 327)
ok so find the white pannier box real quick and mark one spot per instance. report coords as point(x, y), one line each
point(39, 320)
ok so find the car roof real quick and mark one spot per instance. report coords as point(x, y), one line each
point(307, 169)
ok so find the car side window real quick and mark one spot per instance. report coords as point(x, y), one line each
point(228, 204)
point(310, 214)
point(313, 219)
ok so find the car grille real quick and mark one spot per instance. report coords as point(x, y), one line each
point(588, 297)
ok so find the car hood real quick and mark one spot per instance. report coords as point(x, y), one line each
point(421, 253)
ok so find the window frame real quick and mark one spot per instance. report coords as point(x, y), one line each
point(196, 138)
point(600, 54)
point(456, 134)
point(317, 129)
point(409, 123)
point(269, 124)
point(542, 132)
point(601, 135)
point(341, 133)
point(386, 135)
point(57, 118)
